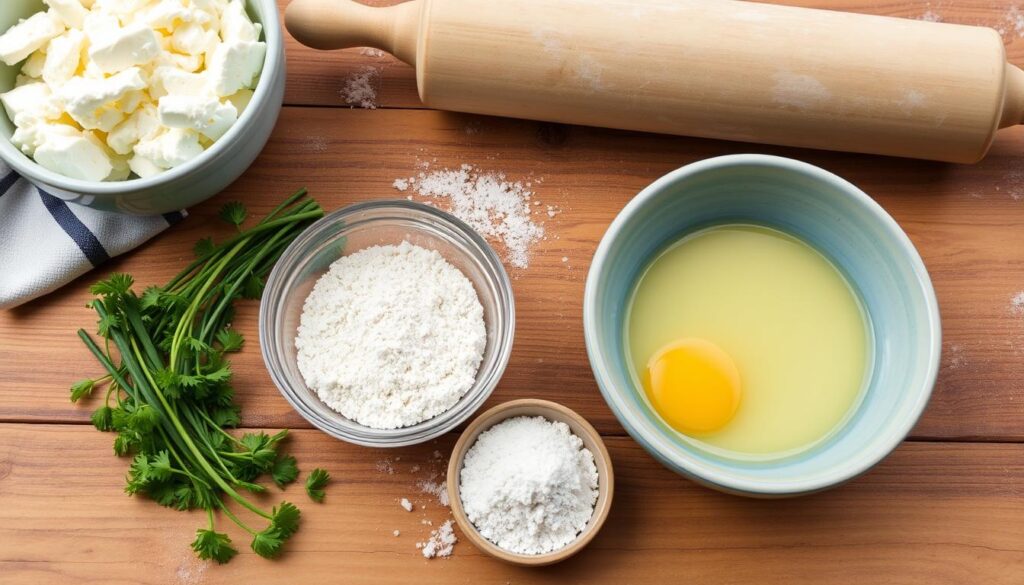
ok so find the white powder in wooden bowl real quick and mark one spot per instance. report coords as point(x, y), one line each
point(391, 336)
point(529, 485)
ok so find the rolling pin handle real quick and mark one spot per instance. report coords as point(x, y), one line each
point(1013, 101)
point(340, 24)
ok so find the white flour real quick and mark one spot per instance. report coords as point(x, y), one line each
point(495, 207)
point(360, 88)
point(391, 336)
point(529, 485)
point(1017, 303)
point(438, 489)
point(441, 542)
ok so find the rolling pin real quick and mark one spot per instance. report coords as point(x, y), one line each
point(723, 69)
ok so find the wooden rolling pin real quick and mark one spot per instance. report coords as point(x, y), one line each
point(713, 68)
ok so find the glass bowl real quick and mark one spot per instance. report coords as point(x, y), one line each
point(355, 228)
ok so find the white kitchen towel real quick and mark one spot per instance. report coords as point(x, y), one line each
point(45, 242)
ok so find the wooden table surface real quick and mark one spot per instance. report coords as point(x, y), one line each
point(946, 507)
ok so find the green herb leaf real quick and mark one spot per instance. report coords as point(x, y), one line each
point(253, 287)
point(205, 246)
point(315, 484)
point(284, 471)
point(104, 325)
point(143, 419)
point(151, 297)
point(227, 416)
point(103, 418)
point(122, 444)
point(286, 519)
point(115, 284)
point(278, 437)
point(139, 474)
point(221, 374)
point(119, 419)
point(81, 389)
point(234, 213)
point(268, 543)
point(160, 466)
point(255, 441)
point(197, 345)
point(230, 340)
point(213, 545)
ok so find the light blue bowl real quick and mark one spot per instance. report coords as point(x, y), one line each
point(843, 223)
point(180, 187)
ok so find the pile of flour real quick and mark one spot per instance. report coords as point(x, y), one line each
point(529, 485)
point(391, 336)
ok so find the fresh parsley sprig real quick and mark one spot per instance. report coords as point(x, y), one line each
point(315, 484)
point(168, 396)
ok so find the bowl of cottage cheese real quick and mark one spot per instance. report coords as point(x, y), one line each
point(139, 106)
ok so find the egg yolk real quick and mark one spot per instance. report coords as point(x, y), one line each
point(694, 386)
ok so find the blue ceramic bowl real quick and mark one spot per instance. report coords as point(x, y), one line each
point(843, 223)
point(180, 187)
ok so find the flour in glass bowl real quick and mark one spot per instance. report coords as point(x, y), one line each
point(391, 336)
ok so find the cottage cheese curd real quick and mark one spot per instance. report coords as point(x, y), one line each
point(114, 87)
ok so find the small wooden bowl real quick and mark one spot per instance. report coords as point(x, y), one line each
point(553, 412)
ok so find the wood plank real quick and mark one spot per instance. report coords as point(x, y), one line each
point(964, 219)
point(317, 77)
point(932, 514)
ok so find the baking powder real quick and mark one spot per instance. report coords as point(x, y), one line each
point(529, 485)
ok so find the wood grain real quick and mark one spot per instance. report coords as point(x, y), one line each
point(932, 514)
point(945, 509)
point(964, 219)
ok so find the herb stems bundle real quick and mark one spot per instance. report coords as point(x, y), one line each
point(167, 384)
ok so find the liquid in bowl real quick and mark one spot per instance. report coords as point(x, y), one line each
point(773, 306)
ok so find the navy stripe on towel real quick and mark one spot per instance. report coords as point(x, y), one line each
point(86, 240)
point(7, 182)
point(173, 217)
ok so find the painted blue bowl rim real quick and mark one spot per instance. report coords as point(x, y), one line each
point(712, 475)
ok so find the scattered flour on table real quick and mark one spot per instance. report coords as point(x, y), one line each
point(491, 204)
point(438, 489)
point(406, 504)
point(441, 542)
point(316, 144)
point(391, 336)
point(1017, 303)
point(529, 485)
point(360, 88)
point(371, 52)
point(176, 562)
point(931, 16)
point(1014, 21)
point(956, 357)
point(191, 572)
point(385, 466)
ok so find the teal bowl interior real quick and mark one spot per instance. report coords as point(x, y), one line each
point(840, 221)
